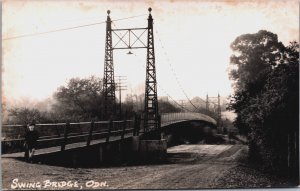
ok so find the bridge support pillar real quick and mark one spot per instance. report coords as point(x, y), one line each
point(135, 143)
point(100, 154)
point(153, 150)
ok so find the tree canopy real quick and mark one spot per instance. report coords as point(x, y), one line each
point(80, 98)
point(25, 115)
point(255, 55)
point(265, 76)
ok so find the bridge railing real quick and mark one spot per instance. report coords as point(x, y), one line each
point(62, 134)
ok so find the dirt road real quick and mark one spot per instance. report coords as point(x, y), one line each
point(188, 166)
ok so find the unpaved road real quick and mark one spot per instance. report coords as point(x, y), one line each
point(188, 166)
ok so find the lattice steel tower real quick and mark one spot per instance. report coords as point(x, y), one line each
point(129, 40)
point(108, 80)
point(216, 103)
point(151, 103)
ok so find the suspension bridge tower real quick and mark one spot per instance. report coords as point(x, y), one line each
point(216, 101)
point(151, 116)
point(109, 78)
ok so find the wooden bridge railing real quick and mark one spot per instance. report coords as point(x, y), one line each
point(62, 134)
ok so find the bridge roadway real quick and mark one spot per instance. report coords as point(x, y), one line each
point(166, 120)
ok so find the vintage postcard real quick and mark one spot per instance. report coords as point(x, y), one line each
point(171, 94)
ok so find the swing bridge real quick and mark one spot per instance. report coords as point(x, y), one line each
point(83, 137)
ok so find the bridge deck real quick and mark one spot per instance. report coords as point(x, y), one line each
point(167, 119)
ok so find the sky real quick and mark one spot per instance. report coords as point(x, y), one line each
point(192, 43)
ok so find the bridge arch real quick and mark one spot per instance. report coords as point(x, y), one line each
point(187, 124)
point(172, 118)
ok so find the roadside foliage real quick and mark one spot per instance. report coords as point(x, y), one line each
point(265, 76)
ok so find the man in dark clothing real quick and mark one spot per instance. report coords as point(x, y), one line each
point(31, 138)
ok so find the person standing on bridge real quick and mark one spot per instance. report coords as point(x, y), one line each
point(31, 138)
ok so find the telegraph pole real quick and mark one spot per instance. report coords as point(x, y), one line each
point(182, 105)
point(219, 111)
point(120, 87)
point(207, 103)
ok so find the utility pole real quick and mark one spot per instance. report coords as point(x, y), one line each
point(219, 111)
point(182, 105)
point(207, 103)
point(120, 87)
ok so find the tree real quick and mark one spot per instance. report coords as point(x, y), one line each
point(266, 94)
point(279, 103)
point(255, 56)
point(167, 107)
point(80, 99)
point(24, 115)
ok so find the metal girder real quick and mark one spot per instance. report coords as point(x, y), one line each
point(129, 29)
point(130, 48)
point(131, 36)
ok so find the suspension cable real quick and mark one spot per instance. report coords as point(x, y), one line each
point(168, 95)
point(174, 73)
point(68, 28)
point(159, 84)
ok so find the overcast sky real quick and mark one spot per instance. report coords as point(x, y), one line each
point(192, 41)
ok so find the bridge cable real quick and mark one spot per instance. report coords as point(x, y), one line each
point(174, 73)
point(168, 95)
point(159, 84)
point(68, 28)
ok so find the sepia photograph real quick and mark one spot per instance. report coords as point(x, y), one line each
point(171, 94)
